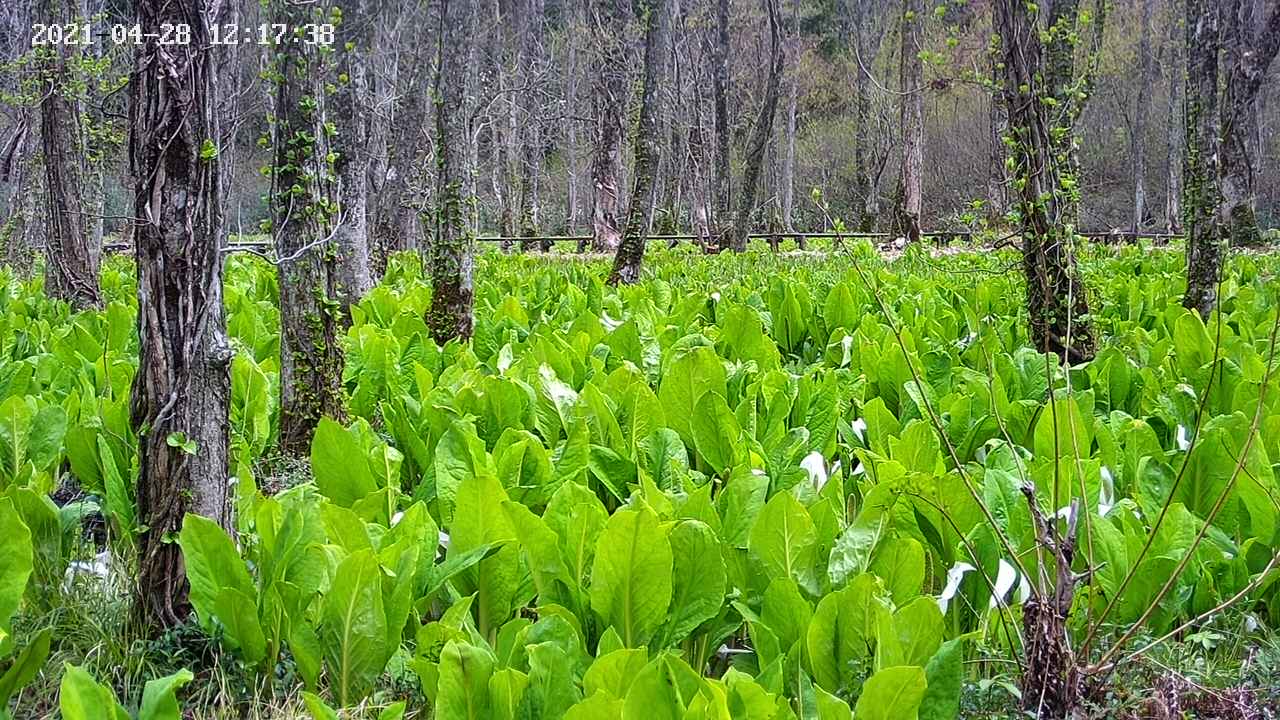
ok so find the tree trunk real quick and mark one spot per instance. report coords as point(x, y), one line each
point(1056, 301)
point(1173, 138)
point(1146, 69)
point(789, 154)
point(1200, 188)
point(352, 108)
point(304, 208)
point(609, 98)
point(71, 258)
point(529, 66)
point(626, 263)
point(911, 119)
point(451, 255)
point(18, 161)
point(1248, 55)
point(760, 135)
point(182, 388)
point(722, 178)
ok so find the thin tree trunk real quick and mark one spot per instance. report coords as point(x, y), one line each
point(793, 97)
point(1173, 137)
point(352, 107)
point(722, 178)
point(911, 119)
point(304, 202)
point(1249, 54)
point(609, 22)
point(529, 67)
point(1146, 68)
point(760, 136)
point(182, 388)
point(71, 258)
point(452, 253)
point(626, 263)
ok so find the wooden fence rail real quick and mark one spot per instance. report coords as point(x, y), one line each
point(940, 237)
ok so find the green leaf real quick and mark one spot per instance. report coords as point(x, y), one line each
point(692, 375)
point(843, 632)
point(698, 579)
point(159, 698)
point(463, 692)
point(353, 627)
point(631, 577)
point(339, 464)
point(600, 706)
point(80, 697)
point(212, 564)
point(945, 674)
point(784, 539)
point(318, 708)
point(716, 434)
point(24, 667)
point(893, 693)
point(16, 562)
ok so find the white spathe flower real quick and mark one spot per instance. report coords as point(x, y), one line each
point(1006, 576)
point(859, 427)
point(816, 466)
point(1106, 492)
point(395, 519)
point(954, 576)
point(715, 297)
point(444, 540)
point(99, 566)
point(1181, 437)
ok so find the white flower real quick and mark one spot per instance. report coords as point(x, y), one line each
point(444, 540)
point(816, 466)
point(715, 297)
point(954, 576)
point(1006, 576)
point(395, 519)
point(100, 567)
point(1184, 442)
point(1106, 492)
point(859, 427)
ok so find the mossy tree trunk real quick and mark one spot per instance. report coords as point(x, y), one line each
point(1199, 163)
point(183, 385)
point(911, 119)
point(1056, 302)
point(451, 256)
point(656, 15)
point(304, 207)
point(72, 258)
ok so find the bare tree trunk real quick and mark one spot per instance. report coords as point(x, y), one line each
point(1146, 68)
point(789, 155)
point(182, 388)
point(911, 119)
point(1056, 301)
point(352, 108)
point(18, 160)
point(868, 165)
point(1173, 137)
point(71, 258)
point(626, 263)
point(452, 252)
point(609, 98)
point(722, 177)
point(760, 136)
point(529, 68)
point(1248, 55)
point(304, 199)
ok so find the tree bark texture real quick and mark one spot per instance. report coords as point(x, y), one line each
point(452, 254)
point(911, 120)
point(1200, 194)
point(352, 108)
point(754, 158)
point(529, 66)
point(609, 98)
point(1056, 302)
point(722, 176)
point(305, 207)
point(1138, 146)
point(72, 259)
point(656, 15)
point(789, 153)
point(183, 385)
point(1249, 53)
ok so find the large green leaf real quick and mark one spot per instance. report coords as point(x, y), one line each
point(80, 697)
point(689, 377)
point(892, 694)
point(159, 697)
point(784, 539)
point(464, 682)
point(212, 564)
point(16, 560)
point(631, 577)
point(353, 627)
point(698, 579)
point(339, 464)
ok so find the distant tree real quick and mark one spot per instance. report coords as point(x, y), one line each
point(451, 255)
point(656, 15)
point(760, 134)
point(182, 388)
point(72, 255)
point(352, 110)
point(911, 119)
point(306, 214)
point(609, 102)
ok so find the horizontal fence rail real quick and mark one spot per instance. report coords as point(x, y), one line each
point(940, 236)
